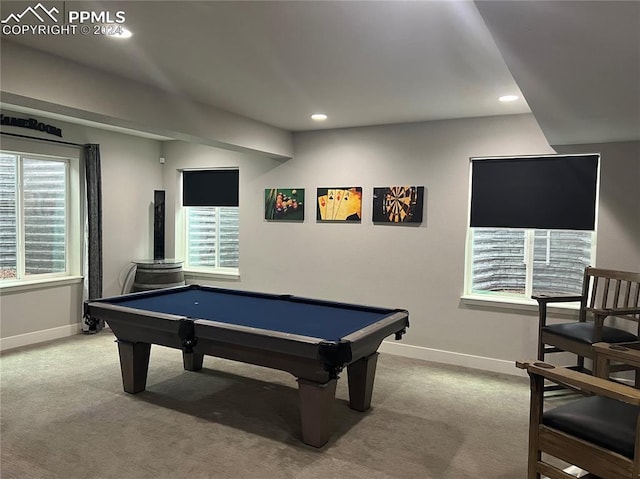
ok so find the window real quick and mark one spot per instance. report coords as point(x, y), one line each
point(532, 225)
point(212, 237)
point(520, 262)
point(211, 219)
point(34, 217)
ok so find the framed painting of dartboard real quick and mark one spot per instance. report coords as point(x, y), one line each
point(398, 204)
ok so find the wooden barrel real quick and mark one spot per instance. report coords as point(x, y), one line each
point(157, 274)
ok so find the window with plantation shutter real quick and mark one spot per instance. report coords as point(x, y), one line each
point(8, 216)
point(212, 237)
point(211, 219)
point(34, 216)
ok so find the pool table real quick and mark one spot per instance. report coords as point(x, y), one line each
point(311, 339)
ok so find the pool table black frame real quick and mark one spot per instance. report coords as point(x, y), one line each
point(315, 362)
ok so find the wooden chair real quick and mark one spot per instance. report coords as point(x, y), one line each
point(605, 294)
point(599, 433)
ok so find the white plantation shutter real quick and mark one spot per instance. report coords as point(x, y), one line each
point(8, 216)
point(33, 215)
point(229, 239)
point(213, 237)
point(45, 218)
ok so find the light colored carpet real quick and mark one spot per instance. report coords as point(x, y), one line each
point(64, 415)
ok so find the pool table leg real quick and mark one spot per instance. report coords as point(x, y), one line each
point(134, 364)
point(316, 407)
point(192, 361)
point(360, 376)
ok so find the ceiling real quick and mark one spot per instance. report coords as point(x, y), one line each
point(381, 62)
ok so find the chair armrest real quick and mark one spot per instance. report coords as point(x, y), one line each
point(543, 298)
point(626, 353)
point(584, 382)
point(600, 314)
point(613, 311)
point(622, 311)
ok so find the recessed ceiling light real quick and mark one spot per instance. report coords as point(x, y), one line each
point(118, 32)
point(319, 117)
point(508, 98)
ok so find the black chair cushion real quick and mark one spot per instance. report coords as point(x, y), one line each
point(583, 332)
point(599, 420)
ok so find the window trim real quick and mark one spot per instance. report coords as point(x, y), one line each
point(16, 286)
point(524, 304)
point(194, 275)
point(73, 234)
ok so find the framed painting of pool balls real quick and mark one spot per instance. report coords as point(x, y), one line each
point(339, 204)
point(398, 204)
point(284, 204)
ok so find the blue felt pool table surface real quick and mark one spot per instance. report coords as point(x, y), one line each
point(317, 319)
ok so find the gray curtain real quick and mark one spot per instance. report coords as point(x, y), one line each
point(93, 275)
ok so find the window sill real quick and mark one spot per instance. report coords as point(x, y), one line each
point(198, 275)
point(565, 309)
point(27, 285)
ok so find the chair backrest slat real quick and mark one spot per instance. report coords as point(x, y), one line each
point(616, 294)
point(594, 291)
point(604, 287)
point(605, 293)
point(627, 295)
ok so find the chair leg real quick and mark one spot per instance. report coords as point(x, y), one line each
point(580, 363)
point(535, 418)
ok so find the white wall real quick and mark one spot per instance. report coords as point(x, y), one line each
point(417, 268)
point(130, 172)
point(619, 215)
point(34, 79)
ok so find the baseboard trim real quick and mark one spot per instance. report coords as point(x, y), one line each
point(452, 358)
point(36, 337)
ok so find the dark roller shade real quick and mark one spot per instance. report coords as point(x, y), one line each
point(210, 188)
point(546, 192)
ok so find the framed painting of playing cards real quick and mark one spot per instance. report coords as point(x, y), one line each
point(398, 204)
point(284, 204)
point(339, 204)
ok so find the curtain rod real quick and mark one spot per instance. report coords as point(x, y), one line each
point(42, 139)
